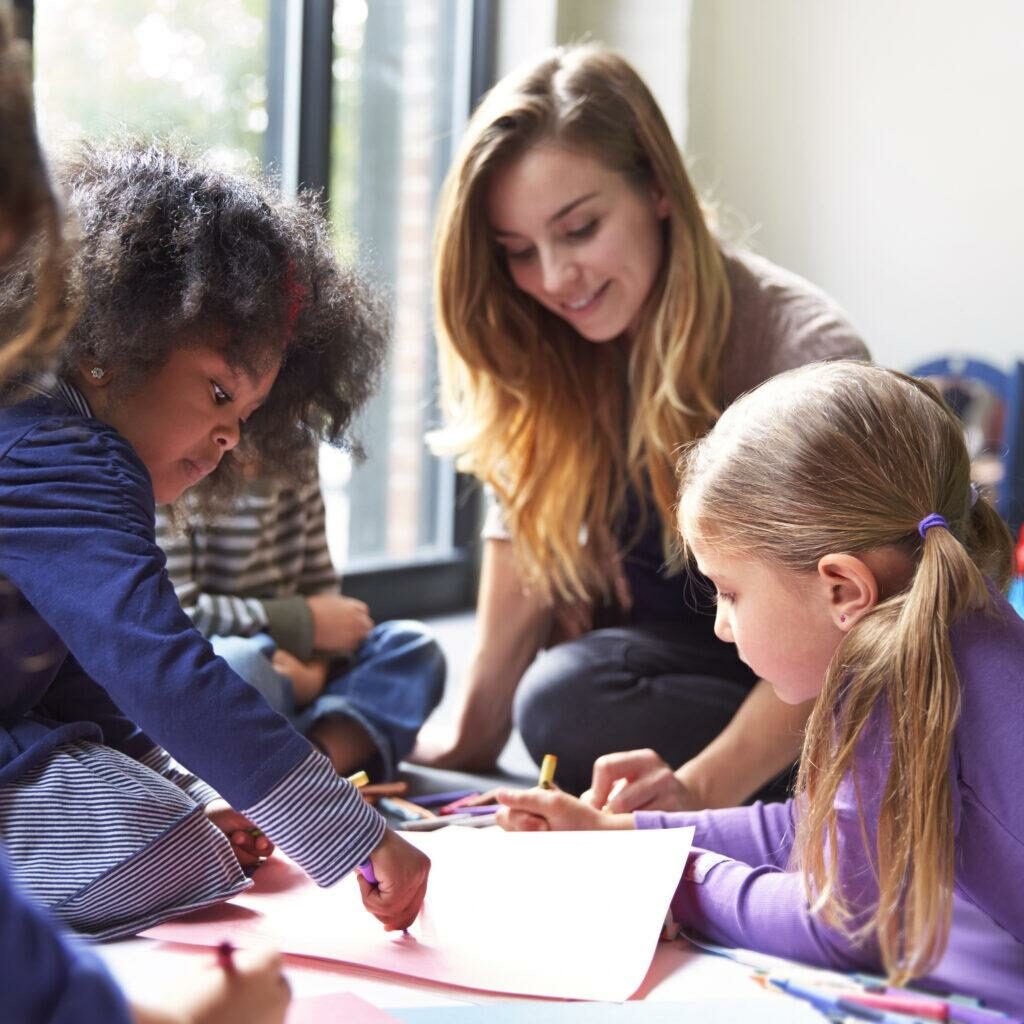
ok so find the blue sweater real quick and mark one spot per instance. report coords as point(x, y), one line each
point(44, 977)
point(93, 641)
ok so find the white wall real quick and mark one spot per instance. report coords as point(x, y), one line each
point(651, 34)
point(878, 148)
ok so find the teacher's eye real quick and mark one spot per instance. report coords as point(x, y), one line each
point(518, 255)
point(220, 396)
point(583, 232)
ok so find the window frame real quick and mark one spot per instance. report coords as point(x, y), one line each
point(299, 144)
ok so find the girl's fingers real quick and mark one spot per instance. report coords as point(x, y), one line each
point(533, 801)
point(521, 821)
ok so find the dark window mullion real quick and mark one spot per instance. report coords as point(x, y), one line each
point(314, 169)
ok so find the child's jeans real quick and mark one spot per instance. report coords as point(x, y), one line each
point(389, 685)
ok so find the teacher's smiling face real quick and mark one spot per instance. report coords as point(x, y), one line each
point(578, 237)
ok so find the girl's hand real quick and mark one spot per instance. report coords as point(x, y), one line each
point(648, 783)
point(249, 849)
point(255, 992)
point(401, 871)
point(308, 677)
point(544, 810)
point(340, 624)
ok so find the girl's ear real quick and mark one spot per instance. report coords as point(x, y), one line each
point(93, 374)
point(851, 587)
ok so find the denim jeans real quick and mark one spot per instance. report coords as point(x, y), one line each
point(389, 685)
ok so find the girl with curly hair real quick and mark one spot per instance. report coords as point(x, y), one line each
point(590, 322)
point(215, 327)
point(43, 975)
point(832, 510)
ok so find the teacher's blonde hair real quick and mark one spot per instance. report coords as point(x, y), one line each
point(555, 424)
point(847, 457)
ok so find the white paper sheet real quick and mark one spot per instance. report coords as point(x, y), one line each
point(561, 914)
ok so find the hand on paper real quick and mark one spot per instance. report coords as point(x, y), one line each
point(308, 677)
point(401, 872)
point(340, 624)
point(255, 992)
point(249, 849)
point(637, 780)
point(551, 810)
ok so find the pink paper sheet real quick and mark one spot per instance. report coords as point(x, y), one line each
point(337, 1008)
point(573, 915)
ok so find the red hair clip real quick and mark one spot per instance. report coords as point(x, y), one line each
point(295, 293)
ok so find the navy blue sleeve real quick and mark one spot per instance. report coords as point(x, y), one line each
point(44, 978)
point(77, 515)
point(76, 697)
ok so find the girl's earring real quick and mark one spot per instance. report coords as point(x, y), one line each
point(97, 373)
point(842, 618)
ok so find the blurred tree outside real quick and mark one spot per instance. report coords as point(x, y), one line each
point(177, 69)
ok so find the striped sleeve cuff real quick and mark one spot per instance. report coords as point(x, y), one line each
point(163, 764)
point(319, 820)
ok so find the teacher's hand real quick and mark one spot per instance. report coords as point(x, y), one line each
point(637, 780)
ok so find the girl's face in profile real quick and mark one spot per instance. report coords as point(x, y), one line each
point(185, 418)
point(579, 238)
point(781, 622)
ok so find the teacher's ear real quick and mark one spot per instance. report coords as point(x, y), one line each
point(660, 200)
point(851, 587)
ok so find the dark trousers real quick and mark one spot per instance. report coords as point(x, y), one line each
point(627, 688)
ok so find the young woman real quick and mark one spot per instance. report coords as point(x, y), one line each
point(590, 322)
point(833, 512)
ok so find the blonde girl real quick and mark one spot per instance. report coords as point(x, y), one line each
point(588, 321)
point(854, 564)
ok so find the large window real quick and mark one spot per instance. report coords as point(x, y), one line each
point(361, 98)
point(192, 70)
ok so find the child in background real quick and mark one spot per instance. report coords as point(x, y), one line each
point(832, 510)
point(214, 317)
point(258, 581)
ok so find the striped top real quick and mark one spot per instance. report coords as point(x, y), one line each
point(250, 570)
point(102, 643)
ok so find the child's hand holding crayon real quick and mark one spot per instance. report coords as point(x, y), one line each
point(250, 845)
point(400, 870)
point(544, 810)
point(247, 987)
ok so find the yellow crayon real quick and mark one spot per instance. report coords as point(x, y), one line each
point(547, 771)
point(359, 779)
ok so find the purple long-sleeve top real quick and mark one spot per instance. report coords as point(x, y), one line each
point(739, 888)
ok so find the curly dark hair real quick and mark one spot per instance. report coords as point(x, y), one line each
point(176, 252)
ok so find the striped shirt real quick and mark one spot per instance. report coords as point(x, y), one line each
point(250, 570)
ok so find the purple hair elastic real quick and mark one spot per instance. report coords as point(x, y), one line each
point(929, 521)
